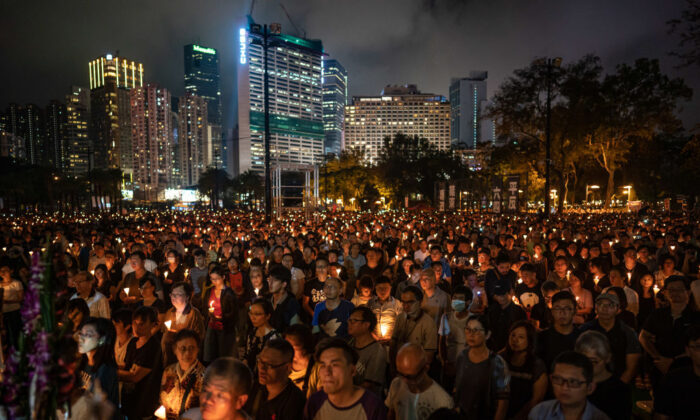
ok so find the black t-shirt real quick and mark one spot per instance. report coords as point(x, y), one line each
point(365, 270)
point(314, 291)
point(670, 333)
point(501, 320)
point(289, 404)
point(528, 296)
point(623, 341)
point(141, 399)
point(677, 396)
point(612, 397)
point(551, 343)
point(283, 313)
point(543, 314)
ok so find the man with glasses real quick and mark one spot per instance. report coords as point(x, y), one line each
point(372, 358)
point(413, 325)
point(663, 334)
point(413, 395)
point(562, 335)
point(572, 383)
point(624, 344)
point(275, 396)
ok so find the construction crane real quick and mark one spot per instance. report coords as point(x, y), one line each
point(303, 33)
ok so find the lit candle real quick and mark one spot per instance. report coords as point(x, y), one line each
point(168, 324)
point(337, 272)
point(520, 280)
point(166, 275)
point(596, 280)
point(257, 291)
point(568, 274)
point(92, 272)
point(211, 306)
point(673, 247)
point(126, 291)
point(160, 412)
point(248, 259)
point(383, 328)
point(629, 277)
point(656, 289)
point(515, 300)
point(471, 261)
point(187, 272)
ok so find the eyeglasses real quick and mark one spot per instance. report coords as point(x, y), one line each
point(267, 366)
point(354, 320)
point(473, 330)
point(606, 305)
point(570, 383)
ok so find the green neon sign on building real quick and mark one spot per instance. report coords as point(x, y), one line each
point(204, 50)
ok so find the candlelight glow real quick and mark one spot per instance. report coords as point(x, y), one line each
point(168, 324)
point(126, 291)
point(383, 328)
point(160, 412)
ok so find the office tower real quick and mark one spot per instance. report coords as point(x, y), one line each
point(202, 78)
point(295, 99)
point(13, 121)
point(399, 109)
point(193, 139)
point(110, 130)
point(175, 151)
point(55, 147)
point(468, 98)
point(335, 98)
point(152, 140)
point(76, 134)
point(28, 129)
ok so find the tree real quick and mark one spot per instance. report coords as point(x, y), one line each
point(412, 165)
point(688, 29)
point(250, 185)
point(636, 103)
point(213, 182)
point(347, 178)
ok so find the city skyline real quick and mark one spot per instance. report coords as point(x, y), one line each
point(457, 35)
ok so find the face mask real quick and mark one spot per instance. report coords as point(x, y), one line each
point(171, 259)
point(458, 305)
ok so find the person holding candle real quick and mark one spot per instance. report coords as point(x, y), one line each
point(172, 271)
point(372, 356)
point(647, 298)
point(181, 383)
point(584, 298)
point(182, 315)
point(220, 335)
point(129, 292)
point(560, 274)
point(259, 314)
point(13, 296)
point(385, 308)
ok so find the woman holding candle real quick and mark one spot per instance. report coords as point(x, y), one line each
point(584, 298)
point(182, 380)
point(220, 337)
point(647, 298)
point(181, 316)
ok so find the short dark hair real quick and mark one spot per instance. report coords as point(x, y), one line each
point(482, 319)
point(417, 293)
point(575, 359)
point(464, 290)
point(528, 267)
point(549, 286)
point(185, 286)
point(366, 282)
point(281, 273)
point(564, 295)
point(239, 376)
point(122, 315)
point(282, 346)
point(303, 333)
point(337, 343)
point(185, 334)
point(381, 280)
point(145, 313)
point(265, 304)
point(367, 316)
point(139, 254)
point(502, 257)
point(621, 296)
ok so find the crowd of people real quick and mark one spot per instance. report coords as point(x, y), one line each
point(389, 315)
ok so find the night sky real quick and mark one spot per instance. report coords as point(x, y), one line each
point(45, 45)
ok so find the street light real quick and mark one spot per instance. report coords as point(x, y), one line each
point(590, 187)
point(550, 63)
point(628, 191)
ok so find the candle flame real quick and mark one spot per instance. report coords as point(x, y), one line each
point(168, 324)
point(160, 412)
point(126, 291)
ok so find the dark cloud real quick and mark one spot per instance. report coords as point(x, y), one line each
point(45, 46)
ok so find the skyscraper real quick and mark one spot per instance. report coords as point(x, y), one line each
point(399, 109)
point(54, 153)
point(152, 140)
point(202, 78)
point(335, 97)
point(110, 131)
point(468, 98)
point(295, 99)
point(76, 134)
point(193, 139)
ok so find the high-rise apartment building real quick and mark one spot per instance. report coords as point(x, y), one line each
point(399, 109)
point(202, 78)
point(111, 78)
point(76, 132)
point(193, 139)
point(55, 153)
point(152, 140)
point(468, 98)
point(295, 98)
point(335, 97)
point(14, 124)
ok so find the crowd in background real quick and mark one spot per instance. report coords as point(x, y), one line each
point(390, 315)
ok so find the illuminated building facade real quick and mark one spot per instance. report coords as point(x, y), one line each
point(295, 99)
point(76, 133)
point(468, 98)
point(193, 139)
point(335, 97)
point(54, 151)
point(152, 140)
point(399, 109)
point(111, 78)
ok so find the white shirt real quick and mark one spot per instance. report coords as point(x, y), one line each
point(98, 304)
point(149, 265)
point(13, 291)
point(421, 255)
point(410, 406)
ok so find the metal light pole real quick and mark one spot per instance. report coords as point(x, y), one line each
point(268, 183)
